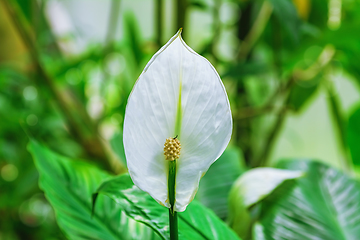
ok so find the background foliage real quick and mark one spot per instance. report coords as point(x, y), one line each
point(291, 71)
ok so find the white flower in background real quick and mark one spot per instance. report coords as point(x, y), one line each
point(178, 99)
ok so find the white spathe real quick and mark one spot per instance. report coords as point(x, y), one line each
point(176, 76)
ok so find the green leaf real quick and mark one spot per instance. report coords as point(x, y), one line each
point(302, 94)
point(133, 37)
point(258, 232)
point(241, 70)
point(286, 12)
point(251, 188)
point(199, 4)
point(324, 205)
point(215, 185)
point(353, 136)
point(68, 186)
point(197, 222)
point(117, 145)
point(337, 115)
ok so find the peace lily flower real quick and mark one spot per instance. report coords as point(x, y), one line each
point(178, 101)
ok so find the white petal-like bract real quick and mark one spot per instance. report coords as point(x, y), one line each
point(178, 93)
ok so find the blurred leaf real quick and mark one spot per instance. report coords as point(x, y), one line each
point(353, 136)
point(197, 222)
point(319, 13)
point(258, 183)
point(133, 40)
point(26, 7)
point(215, 185)
point(251, 188)
point(240, 70)
point(286, 12)
point(337, 115)
point(59, 70)
point(117, 145)
point(348, 49)
point(201, 5)
point(302, 94)
point(324, 205)
point(68, 186)
point(258, 232)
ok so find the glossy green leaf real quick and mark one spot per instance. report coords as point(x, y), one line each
point(353, 136)
point(215, 185)
point(68, 186)
point(197, 222)
point(324, 205)
point(251, 188)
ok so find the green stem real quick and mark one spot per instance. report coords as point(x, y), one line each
point(255, 31)
point(279, 122)
point(171, 189)
point(173, 221)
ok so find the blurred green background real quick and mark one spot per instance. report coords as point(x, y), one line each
point(291, 70)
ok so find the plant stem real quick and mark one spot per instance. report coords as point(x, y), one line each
point(255, 31)
point(173, 221)
point(171, 189)
point(272, 136)
point(269, 143)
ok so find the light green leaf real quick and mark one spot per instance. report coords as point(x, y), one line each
point(258, 232)
point(254, 185)
point(324, 205)
point(197, 222)
point(251, 188)
point(68, 186)
point(216, 184)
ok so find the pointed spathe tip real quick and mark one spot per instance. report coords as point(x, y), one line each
point(179, 31)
